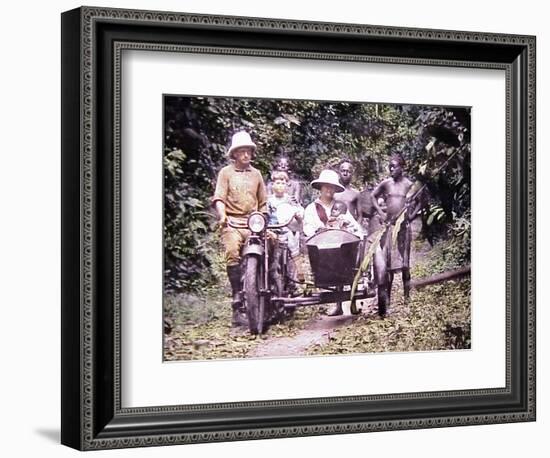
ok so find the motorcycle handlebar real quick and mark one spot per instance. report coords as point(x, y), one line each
point(237, 226)
point(277, 226)
point(245, 226)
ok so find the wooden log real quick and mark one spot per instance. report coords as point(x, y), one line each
point(438, 278)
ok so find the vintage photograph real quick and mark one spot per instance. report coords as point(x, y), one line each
point(303, 227)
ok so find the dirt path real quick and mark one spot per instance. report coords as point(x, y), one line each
point(319, 329)
point(316, 332)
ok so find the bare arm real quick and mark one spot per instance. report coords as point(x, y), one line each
point(364, 206)
point(379, 191)
point(220, 194)
point(354, 207)
point(220, 210)
point(360, 217)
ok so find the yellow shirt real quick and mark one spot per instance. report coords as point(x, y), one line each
point(242, 191)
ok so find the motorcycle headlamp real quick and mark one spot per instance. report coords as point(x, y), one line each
point(256, 222)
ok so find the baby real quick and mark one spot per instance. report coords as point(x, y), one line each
point(337, 219)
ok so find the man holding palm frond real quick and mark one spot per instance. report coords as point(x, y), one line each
point(399, 211)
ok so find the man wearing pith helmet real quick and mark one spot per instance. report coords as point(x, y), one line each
point(240, 191)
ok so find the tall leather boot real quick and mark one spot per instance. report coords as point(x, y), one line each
point(238, 318)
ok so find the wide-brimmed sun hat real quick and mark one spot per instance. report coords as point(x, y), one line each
point(240, 139)
point(328, 177)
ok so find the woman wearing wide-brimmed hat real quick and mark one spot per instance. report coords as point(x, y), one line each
point(317, 213)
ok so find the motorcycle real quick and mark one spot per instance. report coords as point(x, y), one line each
point(269, 289)
point(265, 268)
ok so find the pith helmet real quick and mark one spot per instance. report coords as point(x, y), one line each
point(240, 139)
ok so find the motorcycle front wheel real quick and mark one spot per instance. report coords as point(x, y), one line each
point(254, 301)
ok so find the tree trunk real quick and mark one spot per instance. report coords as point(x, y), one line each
point(438, 278)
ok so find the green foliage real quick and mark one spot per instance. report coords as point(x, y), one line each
point(459, 245)
point(435, 213)
point(444, 256)
point(200, 328)
point(187, 308)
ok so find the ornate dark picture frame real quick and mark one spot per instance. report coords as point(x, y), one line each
point(92, 42)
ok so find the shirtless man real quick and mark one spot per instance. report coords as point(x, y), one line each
point(394, 192)
point(350, 195)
